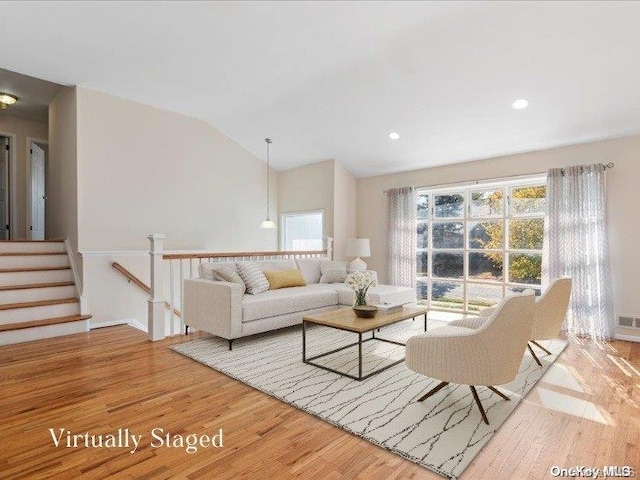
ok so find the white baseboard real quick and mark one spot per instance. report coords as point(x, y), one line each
point(628, 338)
point(136, 324)
point(132, 322)
point(109, 323)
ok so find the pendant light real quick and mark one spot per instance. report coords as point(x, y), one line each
point(268, 223)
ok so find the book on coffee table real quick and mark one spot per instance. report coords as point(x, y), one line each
point(389, 307)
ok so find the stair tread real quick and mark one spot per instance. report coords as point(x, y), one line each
point(36, 285)
point(29, 254)
point(42, 323)
point(39, 303)
point(32, 269)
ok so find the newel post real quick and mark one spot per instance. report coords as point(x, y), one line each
point(330, 248)
point(155, 317)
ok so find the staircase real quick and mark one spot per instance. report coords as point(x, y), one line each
point(38, 297)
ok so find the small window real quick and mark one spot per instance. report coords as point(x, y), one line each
point(301, 231)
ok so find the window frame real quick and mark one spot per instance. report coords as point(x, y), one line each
point(507, 215)
point(284, 215)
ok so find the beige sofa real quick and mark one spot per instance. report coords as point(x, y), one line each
point(221, 308)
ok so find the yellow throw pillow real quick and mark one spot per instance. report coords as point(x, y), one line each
point(284, 278)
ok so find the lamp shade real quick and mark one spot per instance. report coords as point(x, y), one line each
point(358, 247)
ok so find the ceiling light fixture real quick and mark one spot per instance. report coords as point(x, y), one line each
point(7, 99)
point(520, 103)
point(268, 223)
point(394, 135)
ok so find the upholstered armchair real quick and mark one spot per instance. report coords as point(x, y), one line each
point(486, 356)
point(549, 314)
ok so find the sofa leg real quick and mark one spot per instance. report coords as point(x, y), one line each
point(230, 345)
point(477, 399)
point(186, 329)
point(433, 391)
point(534, 355)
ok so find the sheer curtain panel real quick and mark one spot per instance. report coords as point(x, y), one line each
point(401, 236)
point(578, 247)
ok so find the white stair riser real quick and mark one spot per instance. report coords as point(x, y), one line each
point(35, 294)
point(34, 261)
point(18, 315)
point(27, 278)
point(31, 247)
point(48, 331)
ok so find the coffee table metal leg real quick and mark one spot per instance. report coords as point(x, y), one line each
point(425, 322)
point(304, 340)
point(359, 356)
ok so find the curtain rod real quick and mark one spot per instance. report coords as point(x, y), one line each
point(494, 179)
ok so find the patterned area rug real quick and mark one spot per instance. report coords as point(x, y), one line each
point(443, 433)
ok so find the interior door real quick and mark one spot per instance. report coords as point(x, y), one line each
point(37, 192)
point(4, 188)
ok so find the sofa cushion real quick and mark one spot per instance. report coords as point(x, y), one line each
point(253, 278)
point(286, 264)
point(285, 301)
point(284, 278)
point(310, 268)
point(333, 272)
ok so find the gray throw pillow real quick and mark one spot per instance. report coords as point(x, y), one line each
point(334, 275)
point(227, 272)
point(332, 272)
point(253, 278)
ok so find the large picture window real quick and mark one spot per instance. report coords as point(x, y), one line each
point(478, 243)
point(301, 231)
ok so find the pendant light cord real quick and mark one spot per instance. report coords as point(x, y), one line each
point(268, 142)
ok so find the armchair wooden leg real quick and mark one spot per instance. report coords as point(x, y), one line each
point(534, 355)
point(475, 396)
point(434, 390)
point(541, 347)
point(495, 390)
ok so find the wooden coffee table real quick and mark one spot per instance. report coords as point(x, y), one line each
point(345, 319)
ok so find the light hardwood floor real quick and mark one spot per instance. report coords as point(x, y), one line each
point(587, 413)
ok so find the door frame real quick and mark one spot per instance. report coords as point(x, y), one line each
point(12, 181)
point(31, 140)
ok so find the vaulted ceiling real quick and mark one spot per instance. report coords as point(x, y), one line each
point(332, 79)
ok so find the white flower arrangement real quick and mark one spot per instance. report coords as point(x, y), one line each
point(360, 282)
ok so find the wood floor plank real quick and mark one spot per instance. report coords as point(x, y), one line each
point(114, 378)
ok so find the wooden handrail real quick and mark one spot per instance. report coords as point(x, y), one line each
point(178, 256)
point(132, 278)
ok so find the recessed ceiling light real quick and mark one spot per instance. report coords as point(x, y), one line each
point(520, 103)
point(394, 136)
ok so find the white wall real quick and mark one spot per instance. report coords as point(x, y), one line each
point(345, 210)
point(622, 195)
point(326, 186)
point(143, 170)
point(21, 129)
point(308, 188)
point(62, 170)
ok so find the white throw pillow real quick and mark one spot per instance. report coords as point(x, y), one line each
point(310, 269)
point(253, 278)
point(332, 272)
point(334, 275)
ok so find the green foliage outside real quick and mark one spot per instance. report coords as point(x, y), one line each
point(523, 234)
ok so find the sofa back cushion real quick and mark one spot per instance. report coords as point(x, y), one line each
point(333, 272)
point(284, 278)
point(286, 264)
point(253, 277)
point(310, 268)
